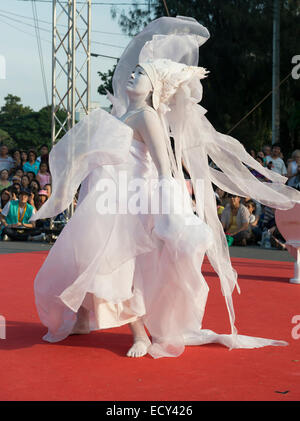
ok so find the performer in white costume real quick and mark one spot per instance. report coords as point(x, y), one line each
point(110, 268)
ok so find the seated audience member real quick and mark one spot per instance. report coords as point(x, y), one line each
point(43, 176)
point(253, 219)
point(17, 160)
point(222, 200)
point(30, 175)
point(16, 214)
point(14, 191)
point(32, 164)
point(275, 162)
point(19, 172)
point(4, 181)
point(266, 150)
point(25, 181)
point(6, 161)
point(33, 199)
point(261, 155)
point(295, 180)
point(48, 188)
point(43, 197)
point(257, 210)
point(293, 167)
point(16, 179)
point(34, 186)
point(44, 154)
point(235, 220)
point(24, 157)
point(41, 224)
point(5, 197)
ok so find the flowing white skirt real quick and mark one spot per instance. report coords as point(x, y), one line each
point(122, 266)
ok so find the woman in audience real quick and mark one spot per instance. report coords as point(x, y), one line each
point(5, 197)
point(4, 181)
point(24, 157)
point(25, 181)
point(32, 164)
point(34, 186)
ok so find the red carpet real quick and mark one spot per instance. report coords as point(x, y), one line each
point(94, 366)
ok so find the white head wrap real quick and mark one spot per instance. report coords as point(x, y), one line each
point(167, 76)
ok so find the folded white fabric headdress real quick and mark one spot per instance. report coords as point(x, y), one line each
point(167, 76)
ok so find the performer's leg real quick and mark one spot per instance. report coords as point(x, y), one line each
point(141, 341)
point(82, 324)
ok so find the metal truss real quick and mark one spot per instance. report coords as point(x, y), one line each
point(70, 64)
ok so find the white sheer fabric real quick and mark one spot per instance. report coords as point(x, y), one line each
point(122, 265)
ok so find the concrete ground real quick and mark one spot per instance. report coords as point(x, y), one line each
point(250, 252)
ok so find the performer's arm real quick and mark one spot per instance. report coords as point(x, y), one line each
point(151, 131)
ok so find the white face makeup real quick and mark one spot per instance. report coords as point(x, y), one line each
point(139, 82)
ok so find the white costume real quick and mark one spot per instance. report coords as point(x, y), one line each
point(122, 266)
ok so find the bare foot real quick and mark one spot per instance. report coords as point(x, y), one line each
point(141, 342)
point(139, 347)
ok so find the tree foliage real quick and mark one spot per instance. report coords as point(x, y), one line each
point(106, 79)
point(24, 127)
point(239, 58)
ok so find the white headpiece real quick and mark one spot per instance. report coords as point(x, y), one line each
point(167, 76)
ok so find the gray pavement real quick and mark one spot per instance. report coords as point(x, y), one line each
point(250, 252)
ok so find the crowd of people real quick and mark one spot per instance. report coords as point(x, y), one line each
point(247, 222)
point(25, 185)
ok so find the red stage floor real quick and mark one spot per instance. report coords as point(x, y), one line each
point(94, 366)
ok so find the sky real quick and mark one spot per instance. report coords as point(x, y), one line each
point(19, 48)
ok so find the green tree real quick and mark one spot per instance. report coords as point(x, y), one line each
point(6, 139)
point(239, 57)
point(27, 128)
point(106, 79)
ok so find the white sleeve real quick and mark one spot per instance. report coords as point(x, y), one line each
point(5, 210)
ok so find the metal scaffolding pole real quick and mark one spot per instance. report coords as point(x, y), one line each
point(71, 54)
point(276, 74)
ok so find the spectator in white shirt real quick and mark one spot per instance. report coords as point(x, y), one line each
point(294, 164)
point(274, 162)
point(6, 161)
